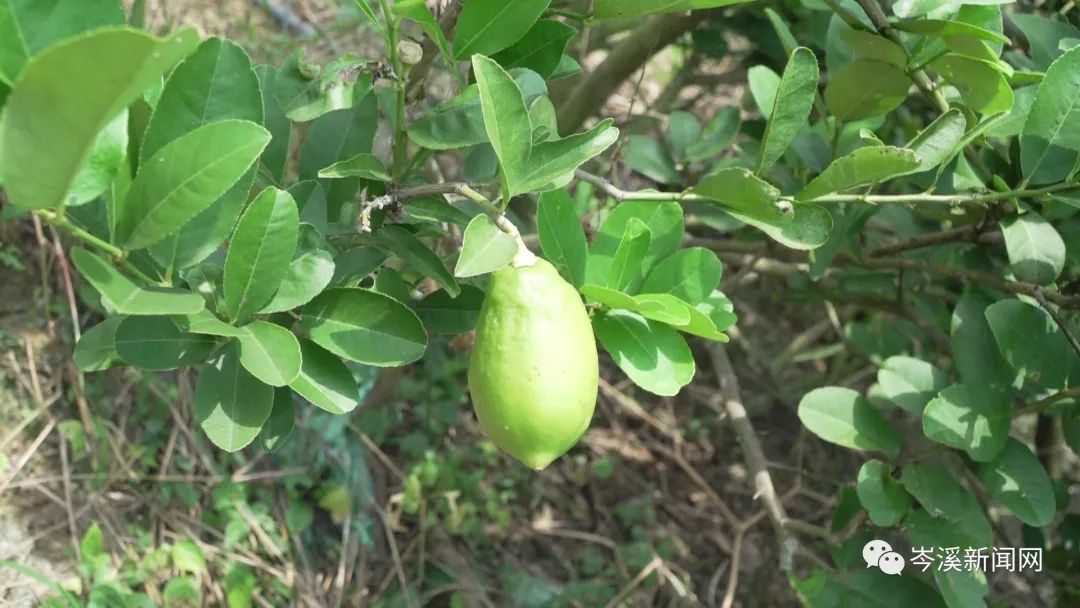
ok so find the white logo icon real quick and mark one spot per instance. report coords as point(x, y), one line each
point(878, 553)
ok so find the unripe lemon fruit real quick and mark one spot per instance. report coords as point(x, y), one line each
point(533, 373)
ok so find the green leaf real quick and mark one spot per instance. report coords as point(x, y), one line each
point(363, 165)
point(982, 86)
point(355, 265)
point(794, 100)
point(1050, 143)
point(969, 417)
point(665, 222)
point(259, 252)
point(751, 200)
point(1019, 481)
point(974, 347)
point(127, 298)
point(910, 383)
point(561, 235)
point(651, 354)
point(663, 307)
point(689, 274)
point(340, 85)
point(276, 155)
point(28, 28)
point(444, 314)
point(625, 270)
point(540, 49)
point(435, 209)
point(885, 500)
point(459, 122)
point(942, 496)
point(231, 405)
point(863, 167)
point(96, 349)
point(306, 277)
point(214, 83)
point(764, 83)
point(716, 136)
point(938, 142)
point(417, 255)
point(336, 136)
point(942, 28)
point(683, 130)
point(156, 343)
point(865, 88)
point(204, 322)
point(506, 118)
point(279, 426)
point(610, 9)
point(552, 163)
point(1036, 250)
point(1044, 36)
point(648, 156)
point(389, 282)
point(92, 544)
point(185, 177)
point(875, 47)
point(87, 80)
point(842, 416)
point(182, 591)
point(486, 27)
point(104, 164)
point(1032, 343)
point(325, 381)
point(269, 352)
point(485, 248)
point(364, 326)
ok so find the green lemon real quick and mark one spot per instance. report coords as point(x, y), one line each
point(533, 373)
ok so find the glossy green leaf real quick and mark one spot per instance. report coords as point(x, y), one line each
point(417, 255)
point(561, 235)
point(648, 156)
point(279, 426)
point(741, 190)
point(794, 100)
point(863, 167)
point(96, 348)
point(764, 83)
point(363, 165)
point(943, 28)
point(540, 49)
point(1018, 480)
point(214, 83)
point(689, 274)
point(663, 307)
point(885, 500)
point(552, 163)
point(127, 298)
point(65, 96)
point(436, 209)
point(844, 417)
point(969, 417)
point(442, 313)
point(485, 248)
point(651, 354)
point(974, 347)
point(269, 352)
point(156, 343)
point(1032, 343)
point(665, 222)
point(364, 326)
point(625, 271)
point(610, 9)
point(486, 27)
point(259, 252)
point(1044, 36)
point(389, 282)
point(1050, 143)
point(506, 119)
point(231, 405)
point(308, 274)
point(355, 265)
point(185, 177)
point(325, 381)
point(27, 28)
point(459, 122)
point(875, 47)
point(865, 88)
point(1036, 250)
point(910, 383)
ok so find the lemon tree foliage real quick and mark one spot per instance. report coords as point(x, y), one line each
point(916, 160)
